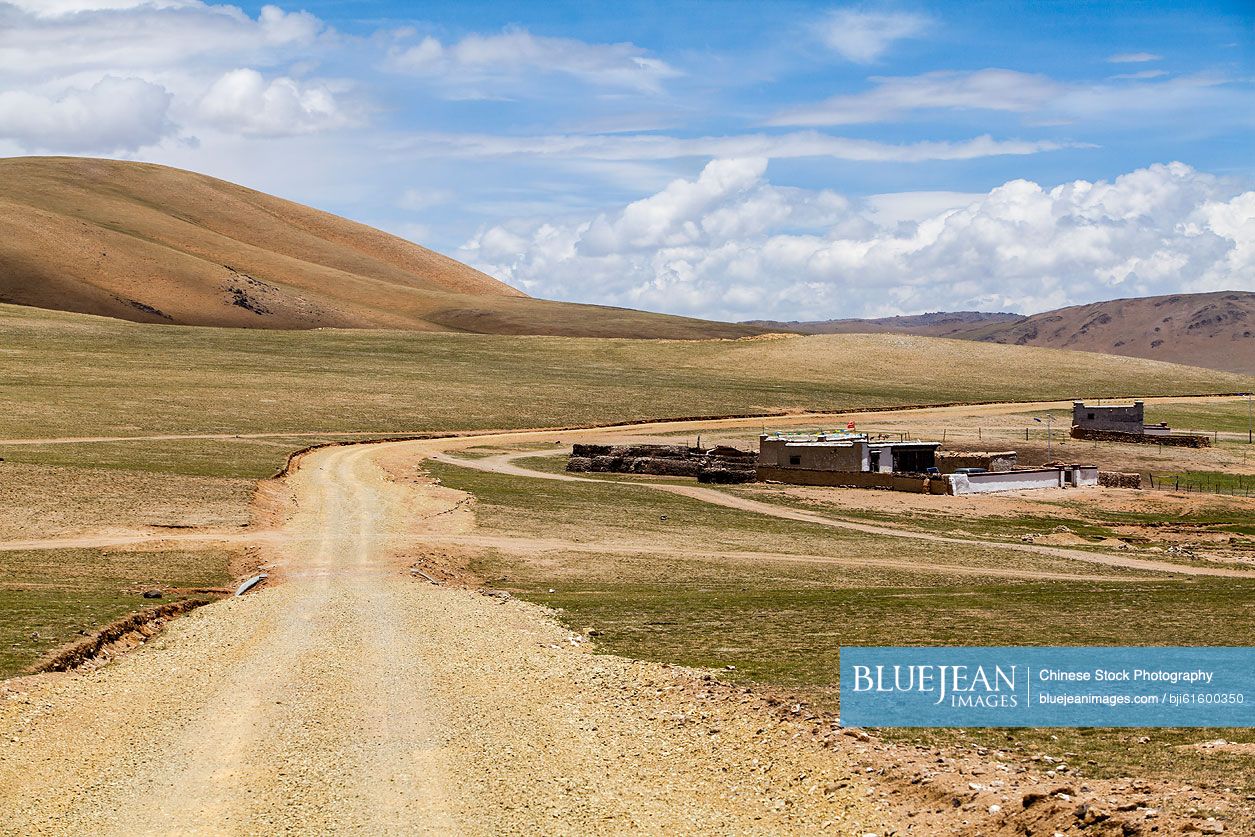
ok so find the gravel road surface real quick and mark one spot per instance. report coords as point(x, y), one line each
point(350, 697)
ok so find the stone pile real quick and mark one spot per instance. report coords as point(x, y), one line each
point(1116, 479)
point(716, 465)
point(1174, 440)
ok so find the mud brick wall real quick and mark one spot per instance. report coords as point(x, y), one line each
point(948, 460)
point(1175, 440)
point(853, 479)
point(1116, 479)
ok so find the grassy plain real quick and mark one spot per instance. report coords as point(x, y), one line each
point(76, 375)
point(752, 597)
point(779, 620)
point(50, 597)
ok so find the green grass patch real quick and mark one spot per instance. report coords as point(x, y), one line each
point(789, 635)
point(781, 620)
point(51, 597)
point(237, 458)
point(1225, 416)
point(1208, 482)
point(616, 509)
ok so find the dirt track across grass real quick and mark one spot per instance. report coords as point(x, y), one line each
point(353, 698)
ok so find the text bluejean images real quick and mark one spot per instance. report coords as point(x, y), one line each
point(1048, 687)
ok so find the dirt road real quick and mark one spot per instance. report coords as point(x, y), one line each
point(353, 698)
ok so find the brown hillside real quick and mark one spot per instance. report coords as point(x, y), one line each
point(1212, 330)
point(154, 244)
point(1215, 330)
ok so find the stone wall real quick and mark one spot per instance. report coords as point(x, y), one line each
point(790, 453)
point(1176, 440)
point(1116, 479)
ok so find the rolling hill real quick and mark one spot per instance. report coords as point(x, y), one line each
point(155, 244)
point(1213, 330)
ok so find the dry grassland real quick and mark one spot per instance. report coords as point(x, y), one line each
point(662, 577)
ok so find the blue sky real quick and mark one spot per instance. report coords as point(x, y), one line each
point(722, 159)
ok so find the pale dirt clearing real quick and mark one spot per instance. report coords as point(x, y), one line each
point(503, 464)
point(352, 698)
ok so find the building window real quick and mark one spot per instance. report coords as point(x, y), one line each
point(795, 460)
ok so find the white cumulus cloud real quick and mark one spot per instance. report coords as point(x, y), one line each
point(243, 101)
point(115, 114)
point(155, 36)
point(732, 245)
point(55, 8)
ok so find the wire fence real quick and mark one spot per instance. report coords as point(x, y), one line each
point(1240, 485)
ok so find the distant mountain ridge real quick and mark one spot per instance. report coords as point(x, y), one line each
point(1214, 330)
point(935, 324)
point(156, 244)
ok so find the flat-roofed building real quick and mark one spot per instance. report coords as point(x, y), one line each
point(1118, 418)
point(845, 452)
